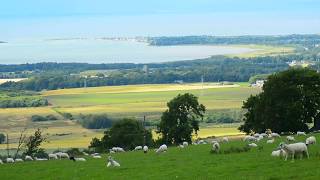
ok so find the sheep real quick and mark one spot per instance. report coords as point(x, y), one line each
point(96, 157)
point(256, 135)
point(111, 152)
point(294, 148)
point(112, 162)
point(252, 145)
point(202, 142)
point(61, 155)
point(290, 138)
point(249, 138)
point(274, 135)
point(95, 154)
point(216, 147)
point(270, 141)
point(10, 160)
point(225, 139)
point(264, 134)
point(311, 140)
point(1, 161)
point(260, 138)
point(118, 149)
point(77, 159)
point(278, 153)
point(214, 141)
point(301, 133)
point(40, 159)
point(185, 143)
point(28, 158)
point(162, 148)
point(53, 156)
point(138, 148)
point(84, 153)
point(145, 149)
point(18, 160)
point(181, 146)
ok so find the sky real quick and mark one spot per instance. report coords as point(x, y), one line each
point(97, 18)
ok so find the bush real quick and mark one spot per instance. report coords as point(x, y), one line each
point(38, 118)
point(2, 138)
point(51, 117)
point(74, 152)
point(67, 116)
point(101, 121)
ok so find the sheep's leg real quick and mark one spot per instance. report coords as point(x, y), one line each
point(292, 156)
point(307, 154)
point(301, 156)
point(286, 157)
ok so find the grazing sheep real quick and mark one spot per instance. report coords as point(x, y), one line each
point(249, 138)
point(214, 141)
point(264, 134)
point(260, 138)
point(53, 156)
point(18, 160)
point(194, 143)
point(96, 157)
point(185, 144)
point(290, 138)
point(216, 147)
point(111, 152)
point(225, 139)
point(301, 133)
point(95, 154)
point(181, 146)
point(145, 149)
point(84, 153)
point(10, 160)
point(138, 148)
point(270, 141)
point(40, 159)
point(1, 161)
point(77, 159)
point(61, 155)
point(162, 148)
point(256, 135)
point(202, 142)
point(274, 135)
point(278, 153)
point(311, 140)
point(112, 162)
point(294, 148)
point(28, 158)
point(252, 145)
point(118, 149)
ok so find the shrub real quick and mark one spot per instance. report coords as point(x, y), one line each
point(101, 121)
point(67, 116)
point(51, 117)
point(74, 152)
point(38, 118)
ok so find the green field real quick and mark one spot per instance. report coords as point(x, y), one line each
point(193, 162)
point(118, 101)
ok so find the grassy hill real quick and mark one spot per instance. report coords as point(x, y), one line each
point(193, 162)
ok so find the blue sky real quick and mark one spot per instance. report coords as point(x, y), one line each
point(95, 18)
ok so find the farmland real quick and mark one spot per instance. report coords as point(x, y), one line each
point(193, 162)
point(118, 101)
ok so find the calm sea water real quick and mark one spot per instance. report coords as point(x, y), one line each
point(104, 51)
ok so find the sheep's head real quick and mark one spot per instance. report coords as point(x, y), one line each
point(282, 145)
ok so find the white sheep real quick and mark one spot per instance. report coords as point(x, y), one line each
point(278, 153)
point(145, 149)
point(181, 146)
point(95, 154)
point(1, 161)
point(40, 159)
point(294, 148)
point(270, 141)
point(10, 160)
point(18, 160)
point(264, 134)
point(311, 140)
point(185, 143)
point(138, 148)
point(28, 158)
point(260, 138)
point(118, 149)
point(61, 155)
point(96, 157)
point(202, 142)
point(256, 135)
point(84, 153)
point(225, 139)
point(301, 133)
point(80, 159)
point(111, 152)
point(162, 148)
point(290, 138)
point(252, 145)
point(216, 147)
point(53, 156)
point(112, 162)
point(214, 141)
point(274, 135)
point(249, 138)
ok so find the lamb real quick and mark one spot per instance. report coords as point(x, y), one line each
point(311, 140)
point(10, 160)
point(301, 133)
point(118, 149)
point(274, 135)
point(278, 153)
point(252, 145)
point(28, 158)
point(18, 160)
point(53, 156)
point(270, 141)
point(225, 139)
point(185, 144)
point(96, 157)
point(216, 147)
point(112, 162)
point(61, 155)
point(294, 148)
point(145, 149)
point(138, 148)
point(162, 148)
point(290, 138)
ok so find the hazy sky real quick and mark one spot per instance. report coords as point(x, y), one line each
point(95, 18)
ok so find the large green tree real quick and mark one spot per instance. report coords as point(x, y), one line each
point(289, 100)
point(125, 133)
point(181, 119)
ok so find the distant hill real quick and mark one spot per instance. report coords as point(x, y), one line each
point(2, 42)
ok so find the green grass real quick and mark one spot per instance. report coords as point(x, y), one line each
point(194, 162)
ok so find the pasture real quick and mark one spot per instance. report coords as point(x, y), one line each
point(193, 162)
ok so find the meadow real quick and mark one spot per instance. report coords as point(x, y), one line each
point(118, 101)
point(193, 162)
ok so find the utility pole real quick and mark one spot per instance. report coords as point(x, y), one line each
point(144, 127)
